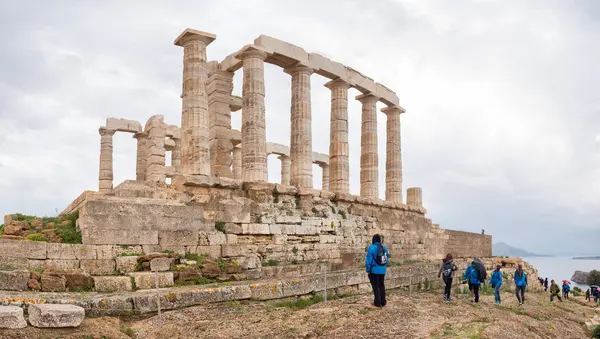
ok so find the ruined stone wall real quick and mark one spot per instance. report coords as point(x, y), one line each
point(466, 244)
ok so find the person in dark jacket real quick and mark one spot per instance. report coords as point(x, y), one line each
point(587, 295)
point(520, 283)
point(447, 273)
point(496, 282)
point(546, 285)
point(376, 271)
point(472, 276)
point(554, 291)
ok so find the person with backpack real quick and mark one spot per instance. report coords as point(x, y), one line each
point(554, 291)
point(520, 283)
point(546, 285)
point(496, 282)
point(565, 289)
point(472, 277)
point(447, 273)
point(587, 295)
point(376, 262)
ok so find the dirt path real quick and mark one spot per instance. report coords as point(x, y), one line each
point(423, 315)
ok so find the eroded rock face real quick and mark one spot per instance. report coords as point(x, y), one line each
point(55, 315)
point(580, 277)
point(14, 280)
point(12, 317)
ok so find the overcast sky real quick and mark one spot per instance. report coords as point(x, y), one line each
point(502, 129)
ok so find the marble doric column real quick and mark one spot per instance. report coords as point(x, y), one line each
point(369, 162)
point(254, 139)
point(106, 160)
point(414, 196)
point(218, 88)
point(155, 161)
point(325, 182)
point(237, 162)
point(338, 137)
point(286, 164)
point(301, 128)
point(176, 155)
point(140, 165)
point(194, 117)
point(393, 160)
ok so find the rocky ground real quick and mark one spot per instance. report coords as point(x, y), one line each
point(423, 315)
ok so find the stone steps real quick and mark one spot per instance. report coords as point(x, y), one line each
point(42, 315)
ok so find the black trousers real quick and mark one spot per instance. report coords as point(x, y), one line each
point(521, 290)
point(377, 283)
point(448, 287)
point(552, 295)
point(476, 291)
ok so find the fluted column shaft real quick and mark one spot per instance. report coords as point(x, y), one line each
point(219, 87)
point(237, 163)
point(254, 139)
point(176, 155)
point(301, 128)
point(140, 165)
point(369, 160)
point(286, 164)
point(155, 161)
point(393, 160)
point(105, 177)
point(325, 181)
point(339, 178)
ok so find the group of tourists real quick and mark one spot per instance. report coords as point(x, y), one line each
point(377, 259)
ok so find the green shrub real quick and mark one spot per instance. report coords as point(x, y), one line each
point(596, 332)
point(36, 237)
point(300, 303)
point(2, 228)
point(594, 278)
point(222, 264)
point(220, 226)
point(68, 233)
point(271, 263)
point(168, 251)
point(198, 258)
point(204, 281)
point(343, 214)
point(577, 289)
point(131, 254)
point(576, 293)
point(22, 217)
point(127, 330)
point(275, 197)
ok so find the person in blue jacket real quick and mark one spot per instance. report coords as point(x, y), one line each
point(472, 277)
point(565, 289)
point(520, 283)
point(496, 282)
point(377, 271)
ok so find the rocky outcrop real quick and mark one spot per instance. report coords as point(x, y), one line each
point(580, 277)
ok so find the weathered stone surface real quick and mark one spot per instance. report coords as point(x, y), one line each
point(13, 263)
point(98, 267)
point(14, 280)
point(126, 264)
point(146, 280)
point(52, 283)
point(178, 238)
point(267, 290)
point(55, 315)
point(12, 317)
point(217, 239)
point(161, 264)
point(212, 251)
point(78, 281)
point(112, 283)
point(70, 251)
point(22, 249)
point(34, 285)
point(58, 264)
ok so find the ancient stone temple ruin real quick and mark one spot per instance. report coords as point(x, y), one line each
point(215, 200)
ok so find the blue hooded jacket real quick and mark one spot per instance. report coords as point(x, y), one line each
point(566, 288)
point(520, 281)
point(496, 278)
point(473, 276)
point(371, 264)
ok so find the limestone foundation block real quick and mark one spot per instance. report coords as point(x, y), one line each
point(22, 249)
point(70, 251)
point(98, 267)
point(161, 264)
point(213, 251)
point(146, 280)
point(14, 280)
point(112, 283)
point(12, 317)
point(52, 283)
point(55, 315)
point(178, 237)
point(126, 264)
point(217, 239)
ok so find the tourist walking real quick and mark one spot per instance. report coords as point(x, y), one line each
point(472, 277)
point(554, 291)
point(520, 283)
point(596, 294)
point(565, 289)
point(496, 282)
point(447, 273)
point(587, 295)
point(546, 285)
point(376, 262)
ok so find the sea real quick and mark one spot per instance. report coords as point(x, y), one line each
point(562, 268)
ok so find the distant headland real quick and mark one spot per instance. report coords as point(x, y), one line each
point(597, 257)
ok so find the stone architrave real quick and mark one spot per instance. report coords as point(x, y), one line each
point(393, 161)
point(106, 159)
point(218, 88)
point(369, 159)
point(286, 164)
point(155, 156)
point(237, 163)
point(338, 145)
point(301, 127)
point(254, 139)
point(325, 181)
point(140, 165)
point(194, 117)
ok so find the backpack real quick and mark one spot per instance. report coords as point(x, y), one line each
point(447, 270)
point(482, 273)
point(381, 257)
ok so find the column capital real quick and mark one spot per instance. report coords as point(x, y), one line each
point(251, 51)
point(299, 68)
point(337, 83)
point(394, 109)
point(283, 157)
point(105, 131)
point(367, 98)
point(192, 34)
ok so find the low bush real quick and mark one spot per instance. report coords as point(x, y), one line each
point(300, 303)
point(596, 332)
point(36, 237)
